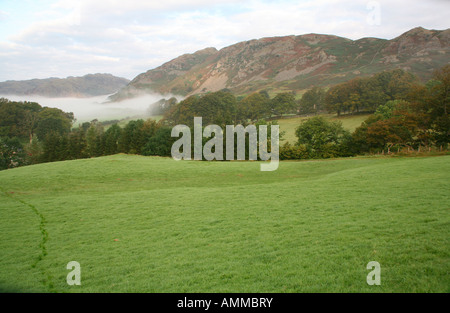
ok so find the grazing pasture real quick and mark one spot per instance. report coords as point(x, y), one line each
point(150, 224)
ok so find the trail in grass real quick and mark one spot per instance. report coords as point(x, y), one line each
point(42, 245)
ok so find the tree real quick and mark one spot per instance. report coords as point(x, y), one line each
point(360, 134)
point(53, 120)
point(253, 107)
point(335, 99)
point(77, 146)
point(431, 101)
point(312, 101)
point(367, 94)
point(393, 124)
point(442, 90)
point(94, 139)
point(371, 95)
point(132, 138)
point(439, 100)
point(160, 143)
point(387, 110)
point(215, 108)
point(18, 119)
point(52, 147)
point(283, 103)
point(111, 139)
point(321, 137)
point(182, 113)
point(29, 123)
point(397, 130)
point(33, 151)
point(11, 153)
point(396, 84)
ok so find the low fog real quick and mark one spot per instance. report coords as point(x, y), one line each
point(87, 109)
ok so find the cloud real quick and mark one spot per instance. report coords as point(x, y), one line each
point(4, 15)
point(125, 38)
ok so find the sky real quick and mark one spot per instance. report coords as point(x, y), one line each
point(61, 38)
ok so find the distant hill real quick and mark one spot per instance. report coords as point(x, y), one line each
point(293, 63)
point(85, 86)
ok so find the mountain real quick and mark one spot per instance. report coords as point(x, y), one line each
point(85, 86)
point(293, 63)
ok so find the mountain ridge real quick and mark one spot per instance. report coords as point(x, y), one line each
point(88, 85)
point(292, 63)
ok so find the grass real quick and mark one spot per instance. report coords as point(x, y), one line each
point(350, 122)
point(149, 224)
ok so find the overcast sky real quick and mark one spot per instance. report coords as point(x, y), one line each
point(60, 38)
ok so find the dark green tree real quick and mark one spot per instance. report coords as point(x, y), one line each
point(77, 147)
point(53, 120)
point(253, 107)
point(52, 147)
point(321, 136)
point(133, 137)
point(111, 138)
point(283, 103)
point(312, 101)
point(94, 139)
point(160, 144)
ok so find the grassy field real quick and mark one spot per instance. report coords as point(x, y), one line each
point(350, 122)
point(148, 224)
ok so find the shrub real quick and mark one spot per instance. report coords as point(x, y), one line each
point(293, 152)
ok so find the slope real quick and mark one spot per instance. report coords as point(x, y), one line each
point(140, 224)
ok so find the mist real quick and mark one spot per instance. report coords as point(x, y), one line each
point(88, 109)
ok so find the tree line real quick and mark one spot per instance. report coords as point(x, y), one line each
point(224, 108)
point(30, 134)
point(358, 95)
point(407, 113)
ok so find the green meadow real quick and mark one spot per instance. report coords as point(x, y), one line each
point(150, 224)
point(289, 125)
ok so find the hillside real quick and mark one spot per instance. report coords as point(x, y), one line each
point(293, 63)
point(149, 224)
point(86, 86)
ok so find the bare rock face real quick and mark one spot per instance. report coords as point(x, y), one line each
point(293, 63)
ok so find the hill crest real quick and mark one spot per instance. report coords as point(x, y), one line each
point(293, 63)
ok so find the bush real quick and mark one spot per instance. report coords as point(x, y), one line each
point(323, 138)
point(293, 152)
